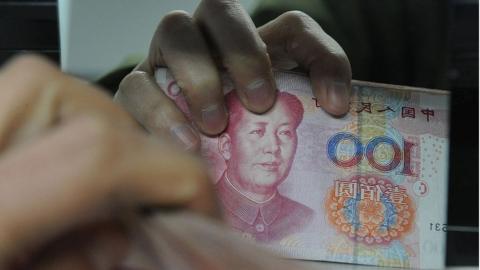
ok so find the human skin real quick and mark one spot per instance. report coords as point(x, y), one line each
point(73, 164)
point(259, 151)
point(196, 48)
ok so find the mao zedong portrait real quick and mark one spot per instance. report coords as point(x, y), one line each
point(259, 152)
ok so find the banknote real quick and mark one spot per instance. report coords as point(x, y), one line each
point(367, 188)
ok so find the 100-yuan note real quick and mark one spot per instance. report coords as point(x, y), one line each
point(366, 188)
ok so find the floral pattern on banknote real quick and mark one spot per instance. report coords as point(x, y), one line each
point(370, 209)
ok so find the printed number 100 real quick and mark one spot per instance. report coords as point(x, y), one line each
point(368, 150)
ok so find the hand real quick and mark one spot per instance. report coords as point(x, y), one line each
point(221, 34)
point(72, 163)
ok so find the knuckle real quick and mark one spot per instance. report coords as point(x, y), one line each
point(131, 84)
point(175, 21)
point(29, 62)
point(136, 96)
point(33, 69)
point(32, 76)
point(299, 21)
point(342, 60)
point(221, 4)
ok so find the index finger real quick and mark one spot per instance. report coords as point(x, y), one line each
point(232, 33)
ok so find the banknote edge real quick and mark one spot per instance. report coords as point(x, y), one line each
point(380, 85)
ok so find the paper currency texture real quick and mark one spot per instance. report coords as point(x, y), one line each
point(367, 188)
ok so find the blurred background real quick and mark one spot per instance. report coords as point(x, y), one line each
point(425, 43)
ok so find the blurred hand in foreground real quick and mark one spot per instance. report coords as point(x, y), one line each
point(72, 165)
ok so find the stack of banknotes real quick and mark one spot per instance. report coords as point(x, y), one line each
point(366, 188)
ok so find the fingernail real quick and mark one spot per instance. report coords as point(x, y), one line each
point(214, 117)
point(338, 94)
point(185, 135)
point(258, 93)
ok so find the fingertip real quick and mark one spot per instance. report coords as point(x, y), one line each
point(338, 97)
point(212, 119)
point(260, 94)
point(334, 96)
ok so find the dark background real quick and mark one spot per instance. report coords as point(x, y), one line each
point(33, 26)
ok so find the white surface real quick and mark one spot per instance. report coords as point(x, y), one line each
point(96, 36)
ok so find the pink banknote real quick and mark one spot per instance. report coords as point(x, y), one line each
point(366, 188)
